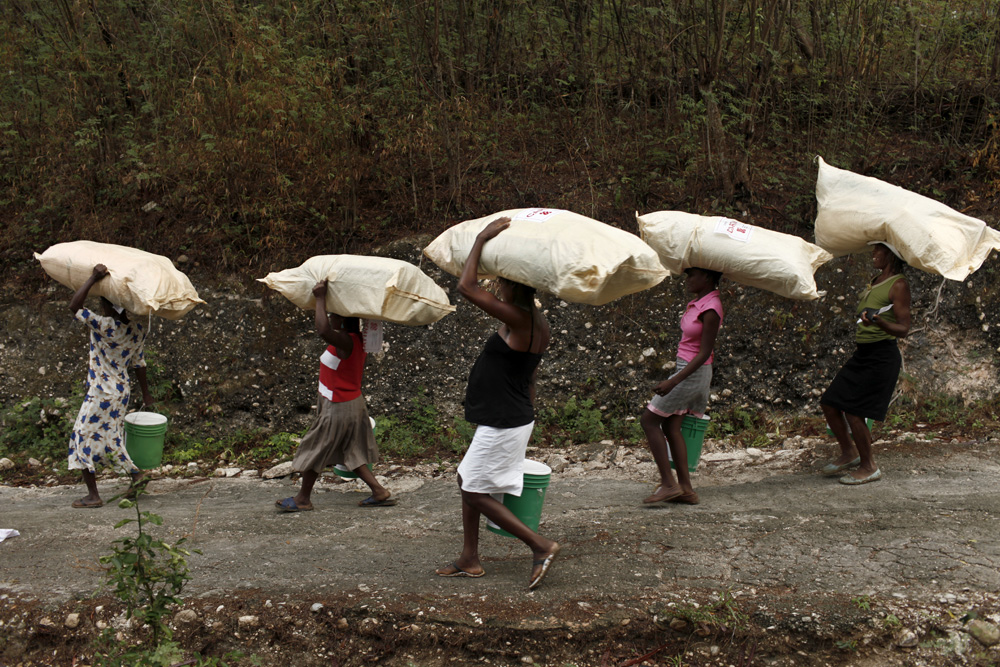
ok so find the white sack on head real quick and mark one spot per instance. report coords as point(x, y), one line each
point(378, 288)
point(855, 209)
point(571, 256)
point(754, 256)
point(138, 281)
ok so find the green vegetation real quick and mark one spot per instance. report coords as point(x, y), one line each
point(148, 576)
point(243, 132)
point(38, 427)
point(724, 612)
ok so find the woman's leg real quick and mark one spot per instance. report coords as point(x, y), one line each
point(92, 497)
point(835, 419)
point(303, 498)
point(863, 442)
point(678, 450)
point(652, 426)
point(379, 492)
point(482, 503)
point(468, 561)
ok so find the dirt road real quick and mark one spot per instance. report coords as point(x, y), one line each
point(787, 551)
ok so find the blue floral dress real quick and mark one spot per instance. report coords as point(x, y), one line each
point(98, 438)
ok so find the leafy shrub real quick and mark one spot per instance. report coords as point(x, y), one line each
point(579, 421)
point(38, 427)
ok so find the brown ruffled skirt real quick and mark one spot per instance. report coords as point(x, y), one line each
point(342, 434)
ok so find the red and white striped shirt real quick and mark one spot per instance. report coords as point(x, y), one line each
point(340, 379)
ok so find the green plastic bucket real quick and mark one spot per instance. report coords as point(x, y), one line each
point(528, 506)
point(693, 430)
point(144, 433)
point(829, 431)
point(341, 471)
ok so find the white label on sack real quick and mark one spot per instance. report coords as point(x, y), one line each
point(538, 214)
point(734, 229)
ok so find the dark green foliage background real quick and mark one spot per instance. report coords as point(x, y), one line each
point(248, 134)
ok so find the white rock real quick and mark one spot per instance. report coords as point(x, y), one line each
point(280, 470)
point(317, 606)
point(754, 453)
point(232, 472)
point(249, 621)
point(34, 463)
point(557, 462)
point(72, 621)
point(649, 352)
point(192, 465)
point(6, 463)
point(250, 473)
point(908, 639)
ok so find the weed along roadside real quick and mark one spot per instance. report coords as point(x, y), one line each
point(766, 568)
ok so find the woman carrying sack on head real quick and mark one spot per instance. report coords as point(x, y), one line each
point(116, 343)
point(863, 387)
point(500, 400)
point(342, 433)
point(687, 390)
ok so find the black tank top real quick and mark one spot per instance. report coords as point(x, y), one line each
point(499, 390)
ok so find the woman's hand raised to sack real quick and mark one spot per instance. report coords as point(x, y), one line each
point(494, 228)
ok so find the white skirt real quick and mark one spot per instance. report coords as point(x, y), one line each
point(495, 460)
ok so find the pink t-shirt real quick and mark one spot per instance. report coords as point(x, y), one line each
point(691, 326)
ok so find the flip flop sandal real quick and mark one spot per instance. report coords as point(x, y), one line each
point(371, 502)
point(831, 469)
point(459, 572)
point(82, 504)
point(288, 505)
point(662, 494)
point(546, 564)
point(850, 480)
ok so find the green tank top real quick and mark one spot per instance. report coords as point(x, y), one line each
point(876, 296)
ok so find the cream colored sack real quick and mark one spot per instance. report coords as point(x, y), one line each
point(362, 286)
point(138, 281)
point(754, 256)
point(576, 258)
point(855, 209)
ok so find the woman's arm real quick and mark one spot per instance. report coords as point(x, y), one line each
point(899, 296)
point(100, 271)
point(335, 336)
point(710, 322)
point(468, 282)
point(140, 375)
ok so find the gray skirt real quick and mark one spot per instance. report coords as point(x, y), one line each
point(689, 397)
point(341, 434)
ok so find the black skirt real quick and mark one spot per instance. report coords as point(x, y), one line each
point(864, 386)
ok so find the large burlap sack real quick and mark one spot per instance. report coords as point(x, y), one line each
point(574, 257)
point(855, 209)
point(377, 288)
point(138, 281)
point(754, 256)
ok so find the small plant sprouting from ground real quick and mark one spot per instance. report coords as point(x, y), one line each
point(862, 602)
point(847, 645)
point(723, 612)
point(147, 574)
